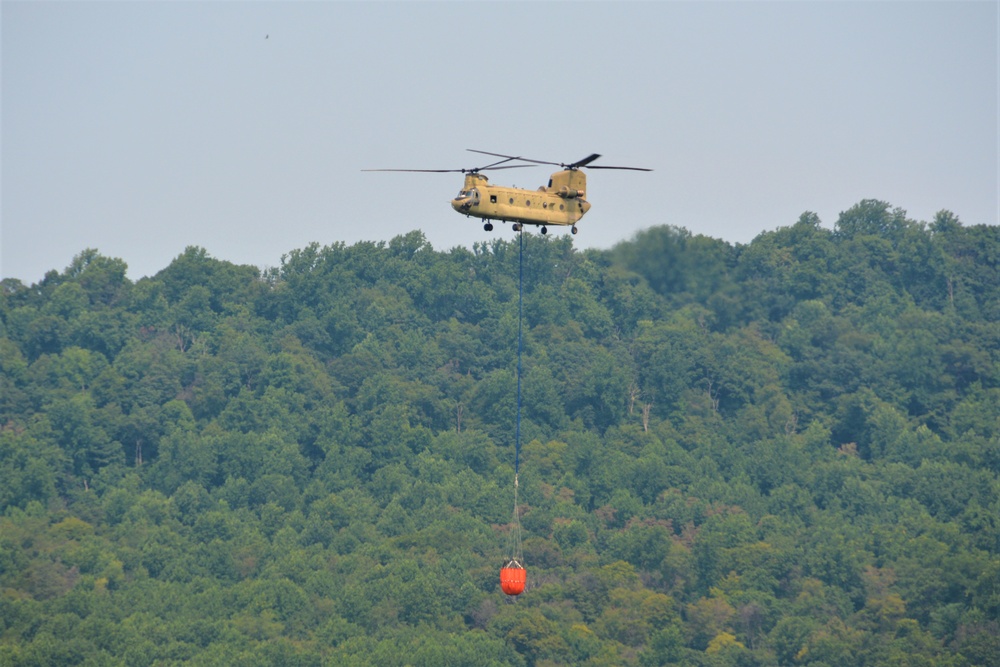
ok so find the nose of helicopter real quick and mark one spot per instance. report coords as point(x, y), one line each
point(460, 205)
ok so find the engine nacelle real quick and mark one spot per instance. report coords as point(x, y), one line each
point(569, 193)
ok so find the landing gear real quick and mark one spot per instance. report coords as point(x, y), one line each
point(516, 226)
point(488, 226)
point(545, 230)
point(575, 230)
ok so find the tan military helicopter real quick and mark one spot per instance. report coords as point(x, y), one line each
point(560, 203)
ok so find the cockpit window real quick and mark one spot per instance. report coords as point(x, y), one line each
point(463, 194)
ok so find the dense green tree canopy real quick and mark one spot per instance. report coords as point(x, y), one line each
point(779, 453)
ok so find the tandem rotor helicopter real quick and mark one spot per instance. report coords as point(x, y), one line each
point(561, 203)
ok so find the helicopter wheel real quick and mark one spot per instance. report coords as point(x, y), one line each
point(488, 227)
point(574, 230)
point(516, 227)
point(545, 230)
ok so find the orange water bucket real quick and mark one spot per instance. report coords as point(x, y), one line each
point(512, 578)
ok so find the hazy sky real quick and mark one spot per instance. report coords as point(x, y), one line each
point(142, 128)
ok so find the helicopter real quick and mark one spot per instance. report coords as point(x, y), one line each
point(561, 203)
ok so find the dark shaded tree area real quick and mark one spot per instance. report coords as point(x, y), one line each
point(779, 453)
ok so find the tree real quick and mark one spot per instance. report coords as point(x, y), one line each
point(781, 452)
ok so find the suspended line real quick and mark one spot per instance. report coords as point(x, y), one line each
point(514, 542)
point(520, 317)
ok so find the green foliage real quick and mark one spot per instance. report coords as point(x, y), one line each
point(779, 453)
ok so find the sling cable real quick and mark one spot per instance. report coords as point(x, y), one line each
point(513, 575)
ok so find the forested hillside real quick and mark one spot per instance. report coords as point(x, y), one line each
point(779, 453)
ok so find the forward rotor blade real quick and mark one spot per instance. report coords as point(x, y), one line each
point(427, 171)
point(511, 157)
point(457, 171)
point(509, 166)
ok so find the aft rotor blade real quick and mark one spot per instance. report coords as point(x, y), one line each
point(585, 161)
point(509, 157)
point(493, 165)
point(629, 168)
point(575, 165)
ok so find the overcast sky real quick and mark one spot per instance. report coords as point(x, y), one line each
point(142, 128)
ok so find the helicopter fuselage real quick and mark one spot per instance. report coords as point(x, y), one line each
point(561, 203)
